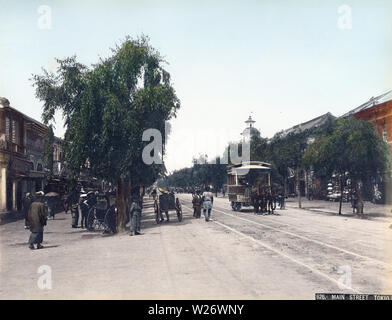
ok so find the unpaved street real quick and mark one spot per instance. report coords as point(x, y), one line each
point(292, 254)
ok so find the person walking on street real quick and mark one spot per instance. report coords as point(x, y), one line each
point(197, 203)
point(135, 212)
point(27, 200)
point(74, 201)
point(208, 200)
point(52, 202)
point(37, 220)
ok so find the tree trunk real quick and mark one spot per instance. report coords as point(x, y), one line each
point(121, 205)
point(341, 194)
point(299, 189)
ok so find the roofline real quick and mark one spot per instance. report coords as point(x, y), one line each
point(363, 105)
point(25, 116)
point(306, 122)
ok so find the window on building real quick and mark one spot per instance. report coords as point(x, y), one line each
point(7, 129)
point(15, 131)
point(39, 167)
point(384, 132)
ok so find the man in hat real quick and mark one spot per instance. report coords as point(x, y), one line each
point(37, 220)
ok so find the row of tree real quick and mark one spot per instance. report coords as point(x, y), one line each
point(199, 175)
point(346, 147)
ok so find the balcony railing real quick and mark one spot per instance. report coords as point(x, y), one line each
point(12, 147)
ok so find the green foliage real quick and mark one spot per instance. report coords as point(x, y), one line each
point(107, 107)
point(354, 147)
point(199, 175)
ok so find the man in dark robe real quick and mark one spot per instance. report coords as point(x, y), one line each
point(37, 220)
point(197, 202)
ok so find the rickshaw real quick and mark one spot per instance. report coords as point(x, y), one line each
point(245, 183)
point(97, 218)
point(166, 201)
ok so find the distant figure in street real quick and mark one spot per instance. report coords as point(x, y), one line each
point(135, 212)
point(37, 220)
point(74, 202)
point(164, 203)
point(281, 198)
point(357, 203)
point(52, 202)
point(27, 200)
point(208, 200)
point(310, 194)
point(197, 203)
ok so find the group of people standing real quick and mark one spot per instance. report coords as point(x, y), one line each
point(204, 200)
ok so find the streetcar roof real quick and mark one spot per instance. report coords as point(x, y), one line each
point(237, 169)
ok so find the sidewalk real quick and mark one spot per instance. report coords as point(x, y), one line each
point(191, 259)
point(369, 209)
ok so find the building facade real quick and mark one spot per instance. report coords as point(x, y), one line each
point(378, 110)
point(22, 168)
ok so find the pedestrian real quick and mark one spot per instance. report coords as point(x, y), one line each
point(136, 212)
point(281, 200)
point(197, 203)
point(74, 202)
point(208, 200)
point(51, 203)
point(84, 208)
point(37, 220)
point(27, 200)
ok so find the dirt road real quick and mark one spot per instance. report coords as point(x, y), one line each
point(292, 254)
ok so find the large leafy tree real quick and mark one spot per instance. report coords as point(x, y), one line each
point(353, 148)
point(106, 108)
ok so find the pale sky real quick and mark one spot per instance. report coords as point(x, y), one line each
point(285, 61)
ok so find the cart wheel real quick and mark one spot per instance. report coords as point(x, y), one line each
point(179, 210)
